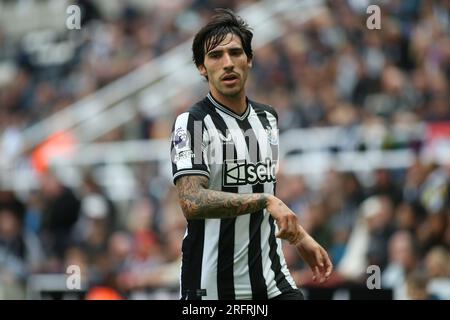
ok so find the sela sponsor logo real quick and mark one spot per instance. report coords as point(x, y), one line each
point(239, 172)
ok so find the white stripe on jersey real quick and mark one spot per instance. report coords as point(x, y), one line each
point(241, 235)
point(209, 260)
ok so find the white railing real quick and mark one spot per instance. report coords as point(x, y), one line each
point(309, 152)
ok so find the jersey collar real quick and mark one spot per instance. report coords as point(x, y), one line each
point(227, 110)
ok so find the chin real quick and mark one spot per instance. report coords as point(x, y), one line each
point(231, 91)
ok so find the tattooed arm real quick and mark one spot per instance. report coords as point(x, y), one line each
point(199, 202)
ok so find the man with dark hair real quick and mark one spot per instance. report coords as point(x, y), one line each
point(224, 159)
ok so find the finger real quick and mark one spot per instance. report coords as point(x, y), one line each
point(319, 258)
point(329, 265)
point(281, 229)
point(327, 268)
point(326, 260)
point(321, 267)
point(294, 239)
point(285, 232)
point(316, 273)
point(282, 224)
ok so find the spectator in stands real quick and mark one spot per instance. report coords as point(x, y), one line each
point(21, 253)
point(416, 286)
point(61, 210)
point(437, 265)
point(368, 241)
point(403, 259)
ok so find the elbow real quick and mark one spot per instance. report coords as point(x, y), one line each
point(190, 208)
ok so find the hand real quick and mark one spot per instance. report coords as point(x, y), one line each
point(287, 221)
point(316, 257)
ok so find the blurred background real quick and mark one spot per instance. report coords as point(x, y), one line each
point(85, 120)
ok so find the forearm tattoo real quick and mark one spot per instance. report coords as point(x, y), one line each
point(197, 201)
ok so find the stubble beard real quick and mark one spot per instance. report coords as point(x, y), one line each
point(231, 93)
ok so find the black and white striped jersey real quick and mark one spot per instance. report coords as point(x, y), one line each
point(234, 258)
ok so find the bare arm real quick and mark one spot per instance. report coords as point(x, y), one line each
point(199, 202)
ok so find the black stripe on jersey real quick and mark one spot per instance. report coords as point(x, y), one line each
point(282, 284)
point(191, 270)
point(225, 259)
point(258, 283)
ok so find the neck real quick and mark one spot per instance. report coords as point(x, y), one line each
point(237, 103)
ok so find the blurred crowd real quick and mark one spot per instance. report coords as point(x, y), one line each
point(59, 227)
point(400, 223)
point(330, 71)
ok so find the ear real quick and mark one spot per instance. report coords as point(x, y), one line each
point(201, 68)
point(249, 62)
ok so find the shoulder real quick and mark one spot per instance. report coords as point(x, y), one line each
point(261, 107)
point(198, 111)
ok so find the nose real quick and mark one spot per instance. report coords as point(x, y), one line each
point(227, 62)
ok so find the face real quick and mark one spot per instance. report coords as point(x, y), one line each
point(9, 225)
point(227, 67)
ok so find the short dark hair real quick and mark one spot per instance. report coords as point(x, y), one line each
point(221, 24)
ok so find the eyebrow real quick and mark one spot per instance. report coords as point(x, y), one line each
point(229, 49)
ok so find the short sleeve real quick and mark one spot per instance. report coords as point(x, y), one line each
point(187, 147)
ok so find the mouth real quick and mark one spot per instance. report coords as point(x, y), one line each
point(230, 78)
